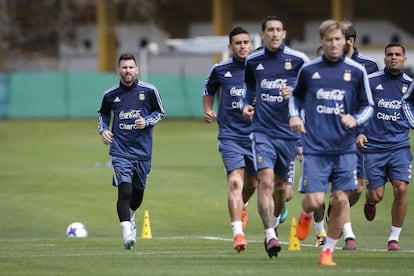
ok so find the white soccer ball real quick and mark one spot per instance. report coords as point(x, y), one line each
point(76, 230)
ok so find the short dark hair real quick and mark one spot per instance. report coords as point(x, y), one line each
point(349, 30)
point(394, 44)
point(126, 56)
point(237, 30)
point(271, 18)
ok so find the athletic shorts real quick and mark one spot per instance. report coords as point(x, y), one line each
point(277, 154)
point(130, 171)
point(236, 155)
point(318, 171)
point(388, 165)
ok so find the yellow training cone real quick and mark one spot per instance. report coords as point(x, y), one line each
point(294, 244)
point(146, 227)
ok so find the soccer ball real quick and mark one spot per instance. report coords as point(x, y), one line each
point(76, 230)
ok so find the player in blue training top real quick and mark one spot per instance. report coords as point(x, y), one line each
point(408, 105)
point(270, 75)
point(334, 93)
point(227, 80)
point(135, 107)
point(385, 141)
point(371, 65)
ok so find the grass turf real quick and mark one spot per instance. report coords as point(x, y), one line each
point(54, 172)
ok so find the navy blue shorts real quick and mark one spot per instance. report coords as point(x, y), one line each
point(130, 171)
point(277, 154)
point(236, 155)
point(318, 171)
point(385, 166)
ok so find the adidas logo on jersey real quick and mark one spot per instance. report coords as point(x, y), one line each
point(316, 76)
point(379, 87)
point(260, 67)
point(228, 75)
point(117, 100)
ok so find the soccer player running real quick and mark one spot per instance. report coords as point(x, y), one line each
point(270, 75)
point(371, 65)
point(385, 141)
point(227, 80)
point(135, 107)
point(334, 93)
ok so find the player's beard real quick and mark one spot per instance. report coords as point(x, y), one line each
point(128, 79)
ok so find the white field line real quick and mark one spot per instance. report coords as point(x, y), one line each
point(308, 245)
point(156, 252)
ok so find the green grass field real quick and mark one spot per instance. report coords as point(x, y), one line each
point(54, 172)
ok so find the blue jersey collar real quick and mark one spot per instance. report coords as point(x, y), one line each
point(277, 52)
point(134, 84)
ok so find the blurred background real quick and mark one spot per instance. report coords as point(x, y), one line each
point(57, 57)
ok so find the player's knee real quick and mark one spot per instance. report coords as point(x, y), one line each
point(341, 200)
point(400, 188)
point(234, 184)
point(374, 196)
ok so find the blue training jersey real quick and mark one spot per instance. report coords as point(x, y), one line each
point(324, 90)
point(125, 105)
point(227, 79)
point(266, 72)
point(388, 129)
point(408, 105)
point(371, 65)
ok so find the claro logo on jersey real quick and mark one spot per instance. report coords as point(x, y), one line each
point(271, 85)
point(133, 114)
point(394, 104)
point(334, 95)
point(239, 93)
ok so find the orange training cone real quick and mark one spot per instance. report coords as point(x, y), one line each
point(294, 244)
point(146, 227)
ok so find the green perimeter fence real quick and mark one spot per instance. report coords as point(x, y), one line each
point(79, 94)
